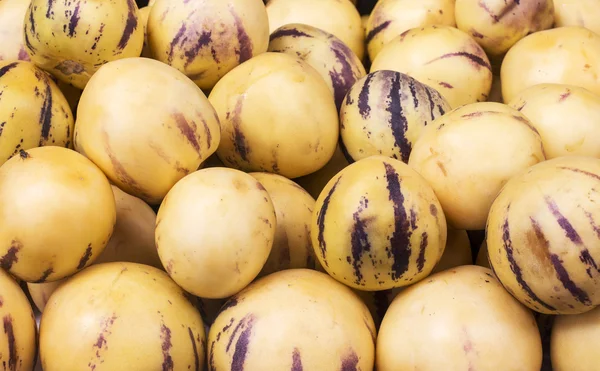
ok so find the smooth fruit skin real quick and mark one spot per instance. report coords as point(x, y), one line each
point(377, 225)
point(18, 341)
point(468, 154)
point(205, 39)
point(295, 136)
point(73, 39)
point(584, 13)
point(57, 213)
point(542, 236)
point(145, 140)
point(33, 110)
point(214, 231)
point(295, 319)
point(573, 342)
point(121, 316)
point(564, 55)
point(457, 320)
point(457, 251)
point(566, 116)
point(12, 41)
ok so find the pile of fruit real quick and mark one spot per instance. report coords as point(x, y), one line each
point(293, 185)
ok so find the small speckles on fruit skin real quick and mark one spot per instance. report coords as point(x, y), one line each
point(165, 335)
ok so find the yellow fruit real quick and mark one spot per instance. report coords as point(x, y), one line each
point(550, 106)
point(206, 39)
point(468, 154)
point(327, 54)
point(385, 112)
point(121, 316)
point(145, 140)
point(144, 15)
point(378, 225)
point(315, 182)
point(564, 55)
point(33, 110)
point(73, 39)
point(459, 319)
point(292, 247)
point(214, 231)
point(18, 343)
point(277, 115)
point(457, 251)
point(12, 43)
point(339, 18)
point(444, 58)
point(542, 236)
point(584, 13)
point(498, 24)
point(573, 341)
point(390, 18)
point(41, 292)
point(295, 319)
point(57, 213)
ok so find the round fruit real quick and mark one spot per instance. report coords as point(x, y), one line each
point(498, 24)
point(145, 140)
point(340, 18)
point(116, 316)
point(584, 13)
point(206, 39)
point(457, 320)
point(290, 316)
point(327, 54)
point(573, 338)
point(144, 15)
point(73, 39)
point(315, 182)
point(384, 114)
point(468, 154)
point(550, 106)
point(378, 225)
point(564, 55)
point(443, 58)
point(277, 115)
point(214, 231)
point(390, 18)
point(542, 236)
point(457, 251)
point(292, 247)
point(57, 213)
point(18, 345)
point(12, 43)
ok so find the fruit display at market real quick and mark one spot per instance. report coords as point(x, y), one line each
point(328, 185)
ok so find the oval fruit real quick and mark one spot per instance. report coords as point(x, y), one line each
point(584, 13)
point(336, 334)
point(214, 231)
point(57, 213)
point(572, 337)
point(295, 137)
point(385, 112)
point(542, 236)
point(468, 154)
point(145, 140)
point(457, 320)
point(117, 314)
point(12, 42)
point(443, 58)
point(378, 225)
point(207, 39)
point(73, 39)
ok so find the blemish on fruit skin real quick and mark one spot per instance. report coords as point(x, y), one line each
point(321, 220)
point(165, 335)
point(239, 139)
point(45, 275)
point(204, 40)
point(46, 114)
point(7, 68)
point(343, 80)
point(49, 12)
point(74, 20)
point(575, 170)
point(10, 258)
point(69, 67)
point(296, 360)
point(291, 32)
point(563, 275)
point(232, 302)
point(350, 362)
point(245, 50)
point(176, 40)
point(445, 85)
point(564, 96)
point(13, 357)
point(359, 240)
point(211, 358)
point(86, 257)
point(242, 344)
point(473, 58)
point(400, 239)
point(376, 31)
point(130, 25)
point(363, 98)
point(188, 129)
point(422, 250)
point(398, 122)
point(195, 349)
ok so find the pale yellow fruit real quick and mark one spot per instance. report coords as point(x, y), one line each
point(57, 213)
point(391, 18)
point(498, 24)
point(73, 39)
point(567, 118)
point(340, 18)
point(292, 247)
point(206, 39)
point(457, 320)
point(457, 251)
point(385, 112)
point(564, 55)
point(33, 110)
point(542, 236)
point(277, 115)
point(214, 231)
point(327, 54)
point(573, 339)
point(296, 319)
point(584, 13)
point(41, 292)
point(468, 154)
point(377, 225)
point(444, 58)
point(145, 140)
point(144, 15)
point(12, 42)
point(121, 316)
point(315, 182)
